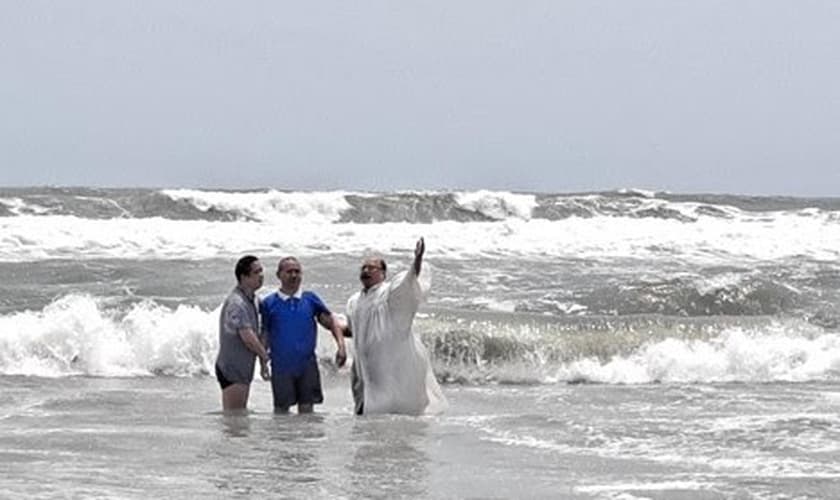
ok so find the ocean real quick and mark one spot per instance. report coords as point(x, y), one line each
point(605, 345)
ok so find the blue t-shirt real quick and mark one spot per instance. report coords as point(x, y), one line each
point(292, 330)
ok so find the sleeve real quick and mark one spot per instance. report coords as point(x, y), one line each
point(236, 317)
point(318, 305)
point(405, 294)
point(348, 312)
point(264, 318)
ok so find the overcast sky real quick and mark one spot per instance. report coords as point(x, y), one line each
point(728, 96)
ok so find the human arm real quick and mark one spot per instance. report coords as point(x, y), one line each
point(331, 323)
point(419, 250)
point(253, 343)
point(265, 320)
point(405, 290)
point(239, 319)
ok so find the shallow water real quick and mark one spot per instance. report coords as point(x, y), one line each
point(83, 437)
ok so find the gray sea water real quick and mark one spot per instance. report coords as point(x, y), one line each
point(621, 345)
point(154, 437)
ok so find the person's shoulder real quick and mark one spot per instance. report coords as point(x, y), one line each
point(233, 298)
point(269, 300)
point(314, 299)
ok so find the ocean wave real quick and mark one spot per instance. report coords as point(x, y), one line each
point(712, 242)
point(81, 334)
point(90, 203)
point(267, 206)
point(271, 205)
point(743, 293)
point(734, 356)
point(639, 350)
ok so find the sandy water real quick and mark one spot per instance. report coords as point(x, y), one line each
point(161, 437)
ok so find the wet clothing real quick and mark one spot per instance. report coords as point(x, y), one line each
point(305, 388)
point(235, 362)
point(392, 371)
point(290, 325)
point(224, 383)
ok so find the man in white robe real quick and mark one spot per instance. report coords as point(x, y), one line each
point(391, 369)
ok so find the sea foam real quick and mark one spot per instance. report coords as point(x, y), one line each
point(269, 206)
point(737, 355)
point(85, 335)
point(709, 241)
point(77, 335)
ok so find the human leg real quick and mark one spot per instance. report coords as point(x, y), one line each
point(357, 386)
point(308, 388)
point(235, 397)
point(283, 392)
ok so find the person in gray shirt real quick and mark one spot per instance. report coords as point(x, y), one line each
point(238, 341)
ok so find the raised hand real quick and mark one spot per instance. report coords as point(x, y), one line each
point(419, 250)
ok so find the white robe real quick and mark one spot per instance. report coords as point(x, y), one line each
point(390, 360)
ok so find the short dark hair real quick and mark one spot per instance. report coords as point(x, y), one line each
point(383, 265)
point(243, 266)
point(290, 258)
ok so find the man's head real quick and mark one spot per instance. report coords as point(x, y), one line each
point(372, 272)
point(249, 273)
point(290, 273)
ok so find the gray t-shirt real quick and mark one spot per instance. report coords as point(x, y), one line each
point(235, 360)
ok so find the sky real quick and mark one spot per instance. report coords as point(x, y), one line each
point(691, 96)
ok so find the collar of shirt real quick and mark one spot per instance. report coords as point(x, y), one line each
point(244, 293)
point(372, 289)
point(298, 294)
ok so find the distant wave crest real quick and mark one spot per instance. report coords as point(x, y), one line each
point(414, 207)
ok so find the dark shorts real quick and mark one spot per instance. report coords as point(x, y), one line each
point(223, 381)
point(289, 390)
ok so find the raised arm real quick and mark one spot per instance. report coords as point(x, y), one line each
point(405, 292)
point(419, 250)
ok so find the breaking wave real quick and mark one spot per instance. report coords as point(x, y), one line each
point(85, 335)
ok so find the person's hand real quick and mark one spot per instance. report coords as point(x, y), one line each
point(265, 373)
point(419, 249)
point(418, 255)
point(341, 357)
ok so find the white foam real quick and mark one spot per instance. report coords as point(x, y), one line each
point(77, 335)
point(737, 355)
point(726, 281)
point(645, 486)
point(495, 304)
point(19, 207)
point(269, 206)
point(647, 193)
point(498, 204)
point(81, 335)
point(307, 226)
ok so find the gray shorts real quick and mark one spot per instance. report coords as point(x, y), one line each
point(289, 390)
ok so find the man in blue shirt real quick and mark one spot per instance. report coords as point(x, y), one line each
point(290, 333)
